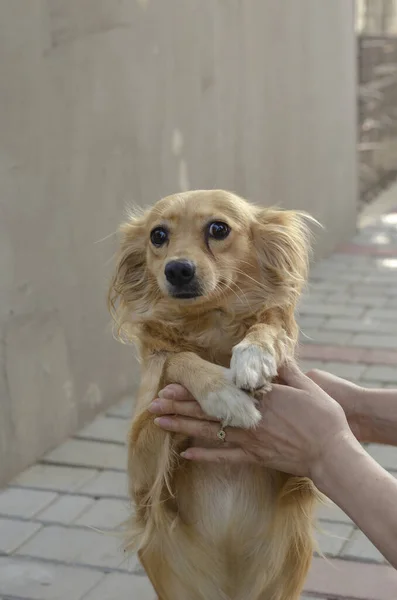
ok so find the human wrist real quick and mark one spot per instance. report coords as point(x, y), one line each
point(334, 459)
point(359, 413)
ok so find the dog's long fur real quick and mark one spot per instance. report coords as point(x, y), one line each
point(213, 531)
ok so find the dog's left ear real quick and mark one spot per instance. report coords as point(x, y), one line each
point(283, 243)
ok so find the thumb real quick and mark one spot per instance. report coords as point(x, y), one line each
point(291, 374)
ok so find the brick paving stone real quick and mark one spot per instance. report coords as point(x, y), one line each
point(337, 578)
point(14, 533)
point(360, 547)
point(306, 322)
point(307, 365)
point(374, 341)
point(108, 429)
point(366, 325)
point(329, 310)
point(57, 478)
point(77, 546)
point(66, 509)
point(384, 455)
point(383, 374)
point(106, 513)
point(315, 336)
point(89, 454)
point(122, 587)
point(388, 314)
point(332, 512)
point(362, 300)
point(122, 409)
point(348, 371)
point(332, 537)
point(328, 287)
point(43, 581)
point(107, 483)
point(17, 502)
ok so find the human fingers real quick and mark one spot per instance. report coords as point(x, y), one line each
point(225, 455)
point(290, 374)
point(199, 428)
point(174, 391)
point(164, 406)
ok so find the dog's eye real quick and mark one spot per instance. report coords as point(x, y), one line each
point(218, 230)
point(159, 236)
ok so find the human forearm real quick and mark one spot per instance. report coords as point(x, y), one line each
point(375, 416)
point(372, 414)
point(364, 490)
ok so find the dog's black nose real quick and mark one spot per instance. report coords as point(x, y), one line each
point(179, 272)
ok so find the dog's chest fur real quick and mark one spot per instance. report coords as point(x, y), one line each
point(211, 335)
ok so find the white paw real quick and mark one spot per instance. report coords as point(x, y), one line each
point(232, 407)
point(252, 368)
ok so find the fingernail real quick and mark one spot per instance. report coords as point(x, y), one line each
point(155, 406)
point(167, 393)
point(164, 422)
point(185, 454)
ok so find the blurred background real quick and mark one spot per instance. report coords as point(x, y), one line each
point(105, 103)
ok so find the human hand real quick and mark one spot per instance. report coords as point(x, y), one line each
point(351, 398)
point(300, 425)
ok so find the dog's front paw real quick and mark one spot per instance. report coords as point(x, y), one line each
point(252, 367)
point(232, 407)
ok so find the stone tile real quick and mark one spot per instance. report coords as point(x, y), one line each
point(308, 365)
point(43, 581)
point(89, 454)
point(122, 587)
point(388, 314)
point(365, 301)
point(18, 502)
point(306, 322)
point(332, 512)
point(109, 429)
point(341, 277)
point(107, 513)
point(384, 455)
point(345, 370)
point(332, 537)
point(78, 546)
point(364, 325)
point(328, 287)
point(122, 409)
point(360, 547)
point(315, 336)
point(381, 374)
point(337, 578)
point(329, 310)
point(107, 483)
point(66, 509)
point(58, 478)
point(14, 533)
point(374, 341)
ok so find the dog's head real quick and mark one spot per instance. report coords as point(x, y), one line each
point(210, 247)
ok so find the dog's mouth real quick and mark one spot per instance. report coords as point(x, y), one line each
point(186, 292)
point(185, 295)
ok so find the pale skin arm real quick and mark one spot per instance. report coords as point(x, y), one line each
point(305, 432)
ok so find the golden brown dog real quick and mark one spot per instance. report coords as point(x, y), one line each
point(204, 282)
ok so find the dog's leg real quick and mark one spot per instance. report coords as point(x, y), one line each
point(256, 358)
point(213, 389)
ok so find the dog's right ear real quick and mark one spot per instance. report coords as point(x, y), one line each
point(128, 287)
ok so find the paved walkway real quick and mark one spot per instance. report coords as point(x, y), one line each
point(49, 548)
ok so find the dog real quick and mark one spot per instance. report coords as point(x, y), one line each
point(206, 285)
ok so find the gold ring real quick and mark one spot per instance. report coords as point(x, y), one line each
point(221, 435)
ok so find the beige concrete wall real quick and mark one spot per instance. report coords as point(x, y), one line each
point(104, 102)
